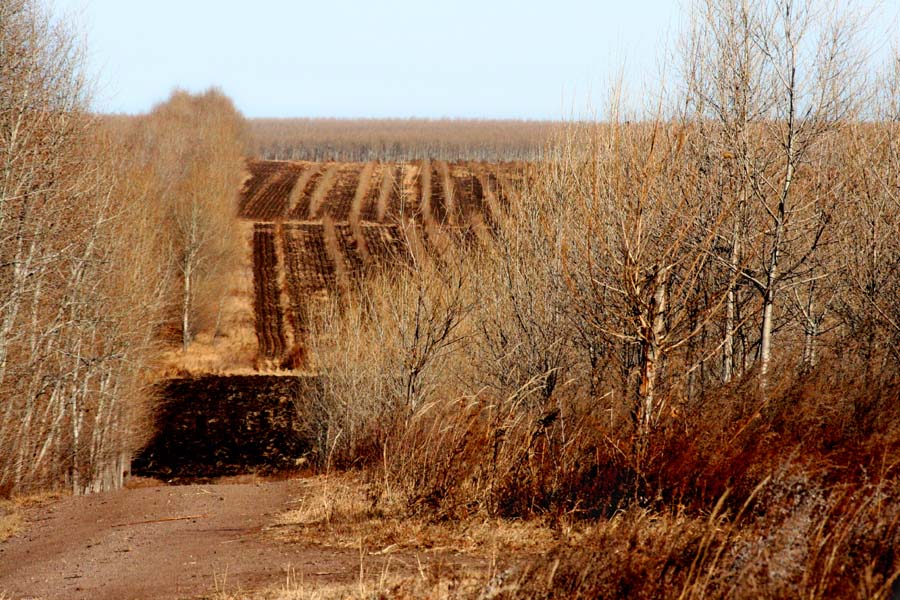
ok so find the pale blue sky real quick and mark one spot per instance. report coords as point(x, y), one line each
point(381, 58)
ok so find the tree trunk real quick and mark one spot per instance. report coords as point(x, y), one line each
point(772, 272)
point(765, 344)
point(730, 309)
point(186, 306)
point(652, 354)
point(809, 345)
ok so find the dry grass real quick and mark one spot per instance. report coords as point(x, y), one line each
point(791, 539)
point(433, 583)
point(416, 557)
point(347, 510)
point(12, 519)
point(812, 549)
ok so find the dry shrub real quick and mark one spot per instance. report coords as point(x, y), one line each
point(776, 487)
point(385, 356)
point(471, 456)
point(345, 510)
point(635, 555)
point(405, 393)
point(434, 581)
point(474, 456)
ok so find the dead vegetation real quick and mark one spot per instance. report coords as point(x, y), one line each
point(12, 519)
point(663, 338)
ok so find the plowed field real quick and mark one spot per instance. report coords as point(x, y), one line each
point(305, 191)
point(321, 228)
point(269, 317)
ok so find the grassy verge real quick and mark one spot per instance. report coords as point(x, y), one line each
point(12, 512)
point(11, 521)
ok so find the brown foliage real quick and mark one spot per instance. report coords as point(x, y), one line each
point(188, 155)
point(108, 229)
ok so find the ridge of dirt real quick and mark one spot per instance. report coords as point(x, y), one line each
point(162, 542)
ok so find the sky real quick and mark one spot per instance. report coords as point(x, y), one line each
point(521, 59)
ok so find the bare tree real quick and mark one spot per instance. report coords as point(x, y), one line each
point(768, 81)
point(85, 274)
point(78, 277)
point(194, 146)
point(525, 333)
point(871, 220)
point(646, 243)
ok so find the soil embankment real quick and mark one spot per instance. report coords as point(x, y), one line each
point(213, 426)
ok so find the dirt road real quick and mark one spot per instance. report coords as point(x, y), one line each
point(161, 542)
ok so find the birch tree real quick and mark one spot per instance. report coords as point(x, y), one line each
point(637, 248)
point(81, 276)
point(194, 144)
point(768, 81)
point(871, 258)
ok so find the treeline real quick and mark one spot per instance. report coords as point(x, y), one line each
point(111, 234)
point(685, 329)
point(361, 140)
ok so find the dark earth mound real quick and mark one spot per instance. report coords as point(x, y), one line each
point(212, 426)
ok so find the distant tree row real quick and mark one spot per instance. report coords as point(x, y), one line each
point(363, 140)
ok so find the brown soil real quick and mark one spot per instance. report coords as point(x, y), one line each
point(296, 190)
point(339, 199)
point(260, 174)
point(216, 425)
point(310, 269)
point(389, 204)
point(269, 317)
point(350, 251)
point(272, 202)
point(138, 543)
